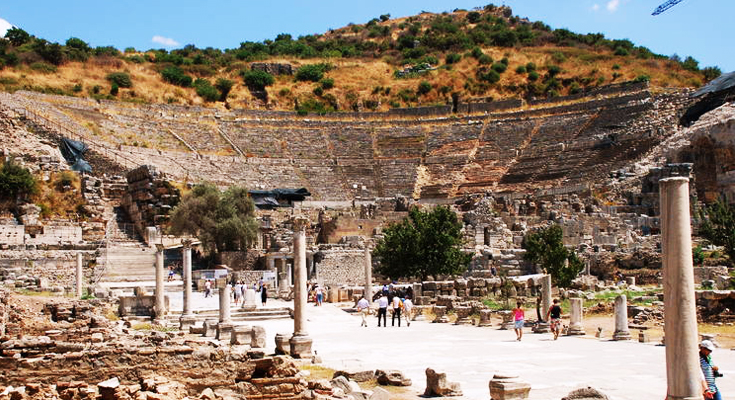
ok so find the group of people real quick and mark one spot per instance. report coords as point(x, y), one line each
point(238, 290)
point(398, 301)
point(553, 315)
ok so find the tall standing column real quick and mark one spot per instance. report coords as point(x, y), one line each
point(575, 317)
point(680, 314)
point(543, 326)
point(79, 276)
point(187, 318)
point(368, 274)
point(160, 291)
point(300, 342)
point(621, 319)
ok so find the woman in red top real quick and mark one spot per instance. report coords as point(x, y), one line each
point(518, 316)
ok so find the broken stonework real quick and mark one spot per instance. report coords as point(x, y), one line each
point(392, 378)
point(437, 385)
point(359, 376)
point(587, 393)
point(507, 387)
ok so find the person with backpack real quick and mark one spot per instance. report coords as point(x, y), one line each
point(710, 371)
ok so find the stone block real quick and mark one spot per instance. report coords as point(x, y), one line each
point(358, 376)
point(210, 328)
point(508, 387)
point(241, 335)
point(258, 337)
point(345, 384)
point(437, 385)
point(283, 345)
point(392, 378)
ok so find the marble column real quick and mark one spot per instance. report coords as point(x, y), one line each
point(543, 326)
point(621, 319)
point(79, 276)
point(289, 275)
point(368, 274)
point(224, 327)
point(187, 318)
point(281, 268)
point(680, 315)
point(575, 317)
point(160, 308)
point(251, 300)
point(300, 342)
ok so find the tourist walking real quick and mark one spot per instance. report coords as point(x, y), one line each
point(237, 292)
point(363, 307)
point(319, 295)
point(383, 309)
point(397, 306)
point(264, 294)
point(518, 316)
point(710, 371)
point(408, 310)
point(207, 288)
point(554, 318)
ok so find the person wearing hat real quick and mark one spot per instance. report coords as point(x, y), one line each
point(710, 371)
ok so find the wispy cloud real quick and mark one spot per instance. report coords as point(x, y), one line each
point(4, 26)
point(168, 42)
point(595, 7)
point(612, 5)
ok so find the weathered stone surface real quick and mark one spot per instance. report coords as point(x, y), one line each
point(507, 387)
point(348, 386)
point(437, 385)
point(392, 378)
point(358, 376)
point(587, 393)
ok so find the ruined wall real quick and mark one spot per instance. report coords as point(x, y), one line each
point(44, 270)
point(149, 197)
point(342, 267)
point(713, 153)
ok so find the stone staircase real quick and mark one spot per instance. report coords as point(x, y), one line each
point(126, 258)
point(237, 314)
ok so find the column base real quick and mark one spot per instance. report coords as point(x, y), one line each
point(187, 321)
point(542, 327)
point(576, 330)
point(210, 328)
point(224, 331)
point(159, 322)
point(621, 335)
point(300, 346)
point(283, 343)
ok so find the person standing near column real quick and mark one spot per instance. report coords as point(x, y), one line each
point(408, 310)
point(264, 293)
point(518, 316)
point(383, 309)
point(363, 307)
point(554, 316)
point(710, 371)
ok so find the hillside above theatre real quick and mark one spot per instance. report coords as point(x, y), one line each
point(428, 59)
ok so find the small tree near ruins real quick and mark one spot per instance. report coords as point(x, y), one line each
point(545, 248)
point(223, 221)
point(717, 225)
point(424, 243)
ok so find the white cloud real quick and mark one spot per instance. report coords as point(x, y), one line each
point(595, 7)
point(4, 26)
point(168, 42)
point(612, 5)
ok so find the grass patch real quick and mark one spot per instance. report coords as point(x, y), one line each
point(317, 372)
point(43, 293)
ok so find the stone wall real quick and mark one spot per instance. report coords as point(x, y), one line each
point(341, 267)
point(44, 270)
point(40, 235)
point(149, 198)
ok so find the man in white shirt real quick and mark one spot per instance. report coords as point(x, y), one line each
point(408, 310)
point(397, 305)
point(383, 309)
point(363, 307)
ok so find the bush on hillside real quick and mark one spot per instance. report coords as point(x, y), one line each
point(499, 67)
point(312, 72)
point(327, 83)
point(485, 59)
point(224, 86)
point(423, 88)
point(206, 91)
point(257, 79)
point(453, 58)
point(15, 181)
point(122, 79)
point(176, 76)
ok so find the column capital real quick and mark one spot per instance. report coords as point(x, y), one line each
point(186, 243)
point(300, 222)
point(159, 247)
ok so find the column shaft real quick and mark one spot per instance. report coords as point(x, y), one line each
point(160, 300)
point(368, 274)
point(680, 314)
point(186, 256)
point(79, 276)
point(300, 290)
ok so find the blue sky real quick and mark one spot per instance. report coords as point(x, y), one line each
point(703, 29)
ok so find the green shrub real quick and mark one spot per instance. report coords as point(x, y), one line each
point(499, 67)
point(530, 67)
point(553, 70)
point(224, 86)
point(453, 58)
point(114, 89)
point(477, 53)
point(318, 91)
point(490, 76)
point(621, 51)
point(473, 17)
point(176, 76)
point(312, 72)
point(533, 76)
point(77, 88)
point(423, 88)
point(122, 79)
point(574, 88)
point(616, 67)
point(485, 59)
point(15, 181)
point(257, 79)
point(711, 73)
point(327, 83)
point(521, 69)
point(558, 57)
point(642, 78)
point(44, 68)
point(690, 64)
point(313, 106)
point(206, 91)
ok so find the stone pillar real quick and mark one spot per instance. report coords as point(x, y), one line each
point(575, 317)
point(224, 327)
point(680, 315)
point(160, 309)
point(187, 318)
point(79, 276)
point(281, 275)
point(621, 319)
point(505, 386)
point(251, 301)
point(543, 327)
point(368, 291)
point(289, 275)
point(300, 342)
